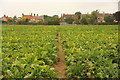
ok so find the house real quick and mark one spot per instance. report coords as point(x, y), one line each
point(66, 15)
point(5, 18)
point(33, 18)
point(19, 18)
point(101, 17)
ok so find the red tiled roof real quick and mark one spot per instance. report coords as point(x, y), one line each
point(32, 18)
point(68, 15)
point(28, 16)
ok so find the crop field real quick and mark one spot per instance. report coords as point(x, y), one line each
point(31, 51)
point(91, 51)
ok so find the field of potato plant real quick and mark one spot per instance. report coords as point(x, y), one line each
point(30, 51)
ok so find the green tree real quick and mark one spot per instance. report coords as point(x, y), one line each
point(54, 20)
point(91, 20)
point(24, 19)
point(69, 20)
point(9, 20)
point(109, 18)
point(94, 16)
point(84, 20)
point(41, 22)
point(14, 19)
point(76, 21)
point(78, 15)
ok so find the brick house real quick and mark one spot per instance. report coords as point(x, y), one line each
point(5, 18)
point(33, 18)
point(101, 17)
point(67, 15)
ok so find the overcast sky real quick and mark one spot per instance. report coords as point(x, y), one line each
point(51, 7)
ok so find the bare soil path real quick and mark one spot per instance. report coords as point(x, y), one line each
point(60, 66)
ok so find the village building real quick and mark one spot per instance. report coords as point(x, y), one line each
point(5, 18)
point(101, 16)
point(99, 19)
point(33, 18)
point(67, 15)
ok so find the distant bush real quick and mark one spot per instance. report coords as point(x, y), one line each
point(107, 23)
point(4, 22)
point(69, 20)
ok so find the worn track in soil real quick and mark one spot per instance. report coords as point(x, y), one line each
point(60, 66)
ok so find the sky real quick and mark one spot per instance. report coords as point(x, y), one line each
point(58, 7)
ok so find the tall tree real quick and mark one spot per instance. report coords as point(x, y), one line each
point(109, 18)
point(14, 19)
point(69, 20)
point(76, 21)
point(84, 20)
point(9, 20)
point(54, 20)
point(24, 19)
point(94, 16)
point(78, 15)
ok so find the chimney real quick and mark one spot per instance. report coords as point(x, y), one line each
point(34, 14)
point(37, 14)
point(4, 15)
point(22, 14)
point(63, 14)
point(31, 14)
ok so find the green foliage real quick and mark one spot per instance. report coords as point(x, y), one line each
point(24, 19)
point(9, 20)
point(78, 15)
point(77, 22)
point(91, 51)
point(94, 16)
point(69, 20)
point(52, 20)
point(15, 18)
point(91, 20)
point(29, 51)
point(40, 22)
point(84, 21)
point(109, 18)
point(45, 16)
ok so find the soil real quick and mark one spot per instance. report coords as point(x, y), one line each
point(60, 66)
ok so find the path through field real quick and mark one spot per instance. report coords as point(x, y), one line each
point(60, 67)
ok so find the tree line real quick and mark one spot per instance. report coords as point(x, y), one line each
point(90, 19)
point(55, 20)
